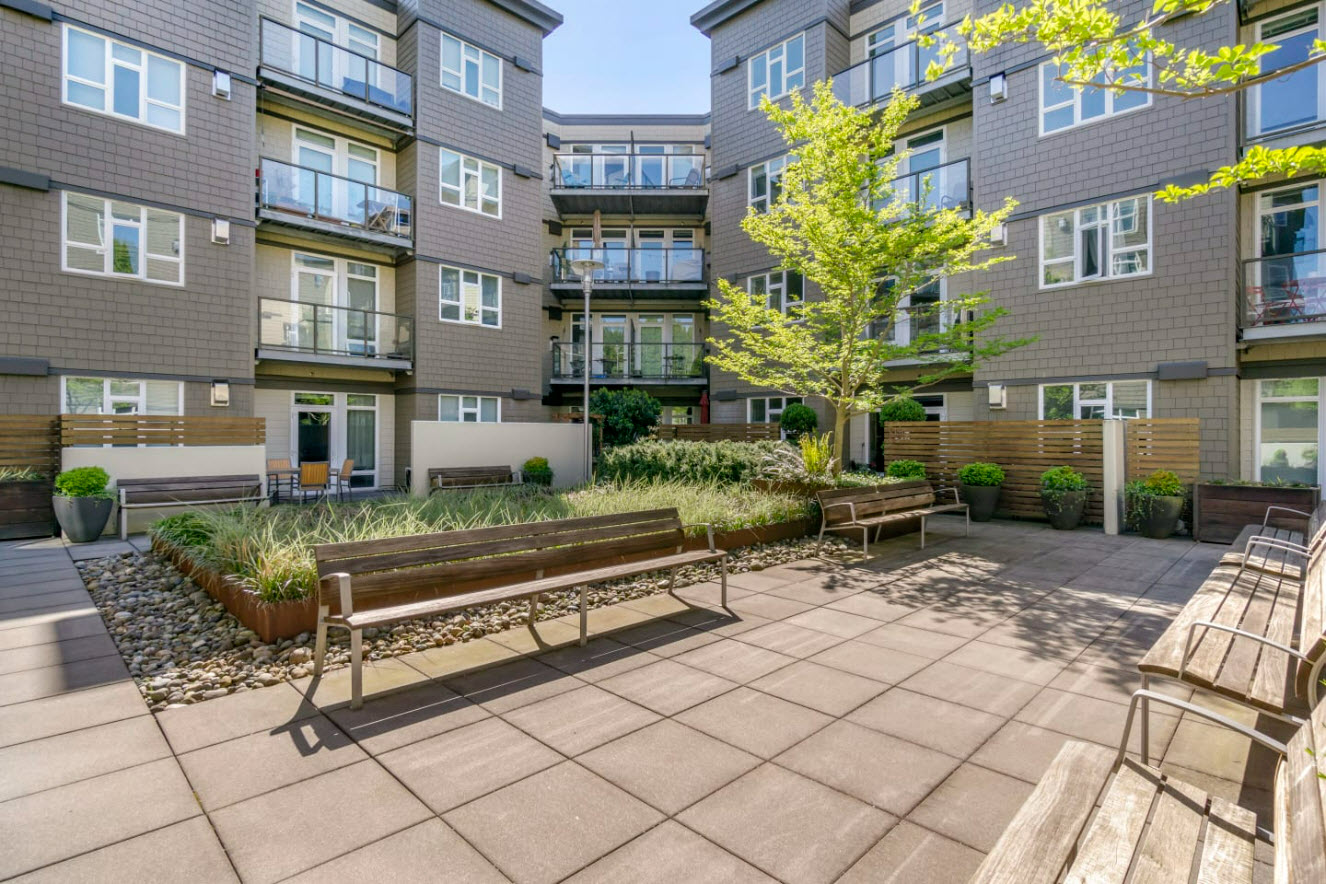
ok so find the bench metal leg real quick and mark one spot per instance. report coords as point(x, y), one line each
point(533, 609)
point(819, 544)
point(672, 582)
point(865, 541)
point(320, 644)
point(124, 523)
point(968, 512)
point(722, 571)
point(1146, 722)
point(356, 669)
point(584, 615)
point(923, 532)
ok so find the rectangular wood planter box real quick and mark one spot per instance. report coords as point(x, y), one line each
point(25, 510)
point(1220, 512)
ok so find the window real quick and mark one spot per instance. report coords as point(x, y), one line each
point(120, 396)
point(1295, 99)
point(470, 184)
point(781, 289)
point(469, 409)
point(766, 183)
point(472, 297)
point(1095, 400)
point(113, 238)
point(904, 29)
point(777, 70)
point(123, 81)
point(1064, 106)
point(1288, 430)
point(471, 71)
point(768, 409)
point(1096, 242)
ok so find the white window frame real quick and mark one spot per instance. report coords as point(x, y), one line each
point(108, 86)
point(108, 400)
point(771, 414)
point(468, 168)
point(107, 249)
point(462, 410)
point(1253, 107)
point(1076, 102)
point(775, 284)
point(755, 93)
point(469, 53)
point(773, 172)
point(462, 285)
point(1259, 399)
point(1107, 403)
point(1113, 209)
point(903, 30)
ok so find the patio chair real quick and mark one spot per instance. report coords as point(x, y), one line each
point(278, 471)
point(313, 478)
point(342, 478)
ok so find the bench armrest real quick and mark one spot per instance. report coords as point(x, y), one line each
point(709, 531)
point(1274, 543)
point(957, 497)
point(851, 508)
point(1222, 627)
point(342, 580)
point(1284, 509)
point(1200, 711)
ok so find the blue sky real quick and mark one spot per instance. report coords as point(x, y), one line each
point(626, 57)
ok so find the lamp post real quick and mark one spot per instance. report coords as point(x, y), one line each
point(584, 268)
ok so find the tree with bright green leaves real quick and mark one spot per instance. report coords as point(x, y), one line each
point(842, 225)
point(1096, 48)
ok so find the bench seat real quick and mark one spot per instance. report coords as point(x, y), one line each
point(864, 509)
point(1273, 559)
point(465, 478)
point(185, 491)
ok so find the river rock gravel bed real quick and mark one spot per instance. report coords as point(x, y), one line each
point(182, 646)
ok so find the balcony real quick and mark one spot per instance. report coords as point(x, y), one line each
point(620, 183)
point(657, 273)
point(943, 187)
point(904, 66)
point(297, 331)
point(629, 363)
point(316, 71)
point(1284, 296)
point(332, 206)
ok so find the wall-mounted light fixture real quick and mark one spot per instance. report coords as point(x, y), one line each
point(220, 394)
point(998, 88)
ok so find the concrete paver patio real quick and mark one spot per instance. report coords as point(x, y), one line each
point(879, 721)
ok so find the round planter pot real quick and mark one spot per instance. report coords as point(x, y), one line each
point(1162, 517)
point(982, 499)
point(1065, 509)
point(82, 518)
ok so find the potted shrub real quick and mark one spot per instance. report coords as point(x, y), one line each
point(1064, 496)
point(905, 469)
point(82, 503)
point(1155, 504)
point(797, 420)
point(980, 483)
point(536, 471)
point(25, 504)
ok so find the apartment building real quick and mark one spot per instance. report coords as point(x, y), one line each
point(325, 214)
point(1206, 308)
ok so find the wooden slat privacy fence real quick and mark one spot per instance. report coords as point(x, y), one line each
point(718, 432)
point(1024, 449)
point(30, 442)
point(1169, 443)
point(100, 429)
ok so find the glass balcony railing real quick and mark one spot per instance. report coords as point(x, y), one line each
point(624, 171)
point(325, 64)
point(903, 66)
point(629, 361)
point(327, 330)
point(1284, 290)
point(943, 187)
point(323, 197)
point(633, 265)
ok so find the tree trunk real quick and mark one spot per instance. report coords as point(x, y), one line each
point(839, 440)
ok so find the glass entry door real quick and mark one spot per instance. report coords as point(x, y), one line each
point(650, 359)
point(313, 428)
point(610, 352)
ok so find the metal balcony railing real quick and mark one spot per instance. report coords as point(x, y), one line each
point(326, 330)
point(903, 66)
point(633, 265)
point(625, 171)
point(333, 67)
point(332, 199)
point(629, 361)
point(1284, 290)
point(943, 187)
point(914, 323)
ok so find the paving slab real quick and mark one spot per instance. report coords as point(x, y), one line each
point(579, 720)
point(269, 709)
point(419, 853)
point(928, 721)
point(73, 711)
point(973, 806)
point(190, 845)
point(909, 854)
point(667, 687)
point(49, 762)
point(759, 723)
point(669, 853)
point(819, 687)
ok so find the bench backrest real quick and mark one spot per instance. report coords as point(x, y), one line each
point(188, 488)
point(424, 566)
point(879, 500)
point(444, 476)
point(1312, 619)
point(1300, 805)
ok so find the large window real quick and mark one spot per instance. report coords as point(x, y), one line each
point(471, 297)
point(114, 238)
point(765, 180)
point(1093, 400)
point(1106, 241)
point(1064, 106)
point(471, 71)
point(768, 409)
point(469, 409)
point(470, 183)
point(120, 396)
point(1288, 430)
point(777, 70)
point(123, 81)
point(781, 289)
point(1298, 98)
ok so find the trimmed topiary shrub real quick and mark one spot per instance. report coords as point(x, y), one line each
point(82, 482)
point(537, 472)
point(981, 474)
point(628, 415)
point(797, 420)
point(904, 408)
point(906, 469)
point(1060, 479)
point(723, 462)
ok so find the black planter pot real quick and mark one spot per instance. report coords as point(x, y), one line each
point(1064, 509)
point(1161, 517)
point(983, 499)
point(82, 518)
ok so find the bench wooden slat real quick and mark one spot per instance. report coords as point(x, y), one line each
point(1271, 559)
point(1301, 802)
point(1107, 850)
point(166, 484)
point(1273, 678)
point(1169, 846)
point(1229, 661)
point(1227, 852)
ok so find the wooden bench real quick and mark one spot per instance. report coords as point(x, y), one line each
point(852, 509)
point(380, 582)
point(184, 491)
point(1157, 825)
point(459, 478)
point(1254, 632)
point(1278, 548)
